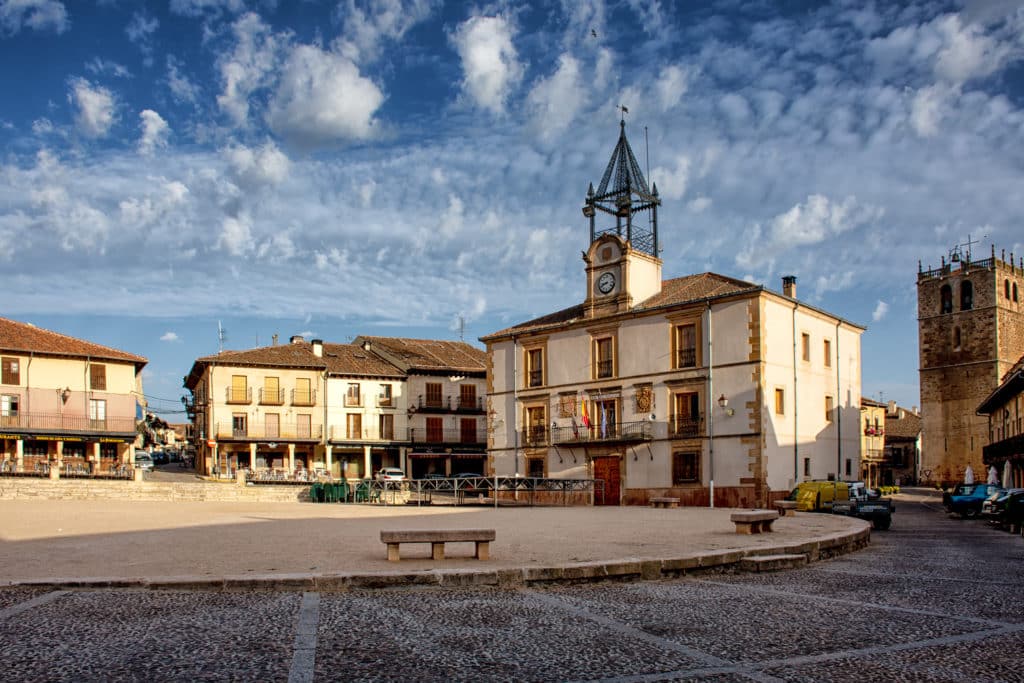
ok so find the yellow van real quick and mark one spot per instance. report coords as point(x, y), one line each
point(817, 496)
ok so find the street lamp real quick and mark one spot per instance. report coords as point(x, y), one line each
point(723, 402)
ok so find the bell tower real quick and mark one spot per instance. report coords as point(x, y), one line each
point(622, 264)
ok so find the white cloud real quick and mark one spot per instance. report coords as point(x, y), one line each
point(322, 98)
point(880, 311)
point(927, 108)
point(140, 31)
point(818, 219)
point(95, 105)
point(100, 66)
point(490, 64)
point(265, 165)
point(364, 30)
point(154, 132)
point(671, 85)
point(554, 101)
point(247, 68)
point(42, 126)
point(162, 199)
point(236, 235)
point(183, 89)
point(195, 8)
point(452, 218)
point(169, 337)
point(672, 182)
point(37, 15)
point(699, 205)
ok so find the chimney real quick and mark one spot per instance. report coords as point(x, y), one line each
point(914, 411)
point(891, 410)
point(318, 348)
point(789, 286)
point(296, 339)
point(366, 346)
point(273, 339)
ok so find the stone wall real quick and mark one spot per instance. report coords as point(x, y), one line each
point(21, 488)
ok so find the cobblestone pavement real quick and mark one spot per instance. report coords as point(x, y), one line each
point(934, 599)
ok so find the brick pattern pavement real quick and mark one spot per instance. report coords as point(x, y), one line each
point(934, 599)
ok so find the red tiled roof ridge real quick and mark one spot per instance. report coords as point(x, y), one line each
point(105, 352)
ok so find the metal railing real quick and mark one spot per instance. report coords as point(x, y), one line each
point(341, 433)
point(434, 402)
point(534, 437)
point(461, 436)
point(686, 358)
point(303, 397)
point(286, 431)
point(272, 397)
point(684, 426)
point(619, 431)
point(240, 396)
point(474, 404)
point(604, 368)
point(65, 422)
point(535, 378)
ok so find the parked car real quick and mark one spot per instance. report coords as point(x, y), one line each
point(817, 496)
point(966, 499)
point(878, 511)
point(999, 508)
point(390, 474)
point(860, 491)
point(143, 460)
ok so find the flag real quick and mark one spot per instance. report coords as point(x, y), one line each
point(586, 417)
point(604, 423)
point(575, 429)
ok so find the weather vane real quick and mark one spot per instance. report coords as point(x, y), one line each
point(625, 110)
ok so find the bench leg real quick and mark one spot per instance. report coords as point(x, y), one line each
point(392, 552)
point(673, 505)
point(744, 528)
point(766, 526)
point(483, 550)
point(437, 551)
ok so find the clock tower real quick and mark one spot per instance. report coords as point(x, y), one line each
point(622, 261)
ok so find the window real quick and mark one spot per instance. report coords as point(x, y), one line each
point(353, 426)
point(467, 396)
point(685, 468)
point(9, 411)
point(1015, 291)
point(352, 395)
point(535, 367)
point(956, 339)
point(384, 397)
point(780, 401)
point(303, 426)
point(1006, 288)
point(272, 421)
point(805, 346)
point(386, 426)
point(239, 391)
point(303, 395)
point(807, 467)
point(828, 408)
point(434, 394)
point(10, 374)
point(946, 296)
point(685, 421)
point(603, 358)
point(606, 414)
point(467, 430)
point(435, 430)
point(966, 296)
point(686, 346)
point(97, 377)
point(828, 353)
point(239, 425)
point(536, 421)
point(97, 412)
point(535, 468)
point(849, 467)
point(272, 391)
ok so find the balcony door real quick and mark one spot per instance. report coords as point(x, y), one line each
point(686, 417)
point(273, 425)
point(605, 418)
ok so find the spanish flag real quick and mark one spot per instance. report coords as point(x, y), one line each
point(586, 417)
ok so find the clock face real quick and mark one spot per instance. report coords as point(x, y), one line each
point(606, 283)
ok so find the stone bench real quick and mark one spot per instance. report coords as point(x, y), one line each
point(754, 521)
point(437, 538)
point(664, 502)
point(783, 505)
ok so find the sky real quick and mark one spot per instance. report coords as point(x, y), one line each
point(394, 167)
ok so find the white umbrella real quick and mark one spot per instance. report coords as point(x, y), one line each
point(968, 475)
point(1007, 474)
point(993, 475)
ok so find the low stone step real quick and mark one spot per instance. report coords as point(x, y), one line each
point(772, 563)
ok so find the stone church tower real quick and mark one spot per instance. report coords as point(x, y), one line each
point(970, 333)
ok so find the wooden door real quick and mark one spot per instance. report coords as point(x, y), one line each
point(608, 469)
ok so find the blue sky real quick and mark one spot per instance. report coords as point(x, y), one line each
point(387, 166)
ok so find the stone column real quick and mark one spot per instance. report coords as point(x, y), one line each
point(19, 455)
point(367, 463)
point(95, 457)
point(291, 458)
point(327, 459)
point(252, 457)
point(403, 460)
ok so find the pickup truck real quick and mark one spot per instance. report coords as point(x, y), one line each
point(878, 511)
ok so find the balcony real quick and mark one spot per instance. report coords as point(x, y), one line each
point(685, 426)
point(622, 432)
point(535, 437)
point(475, 437)
point(470, 405)
point(304, 397)
point(535, 378)
point(341, 433)
point(433, 404)
point(238, 396)
point(284, 431)
point(604, 369)
point(686, 358)
point(56, 422)
point(271, 397)
point(1010, 448)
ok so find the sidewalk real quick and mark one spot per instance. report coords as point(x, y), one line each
point(147, 543)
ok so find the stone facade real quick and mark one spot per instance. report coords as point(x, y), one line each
point(970, 333)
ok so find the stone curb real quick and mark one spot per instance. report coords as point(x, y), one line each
point(627, 569)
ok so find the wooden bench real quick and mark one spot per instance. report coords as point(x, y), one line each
point(783, 505)
point(437, 538)
point(664, 502)
point(754, 521)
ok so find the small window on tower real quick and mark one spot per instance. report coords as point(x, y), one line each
point(956, 339)
point(966, 296)
point(946, 295)
point(1006, 288)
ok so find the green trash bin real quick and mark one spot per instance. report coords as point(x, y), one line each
point(316, 493)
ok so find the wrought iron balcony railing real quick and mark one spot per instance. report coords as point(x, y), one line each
point(686, 358)
point(304, 397)
point(620, 431)
point(284, 431)
point(342, 433)
point(604, 368)
point(271, 397)
point(237, 395)
point(452, 436)
point(56, 422)
point(684, 426)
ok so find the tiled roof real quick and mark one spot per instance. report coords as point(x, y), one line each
point(18, 337)
point(283, 355)
point(866, 402)
point(906, 427)
point(677, 291)
point(428, 354)
point(348, 359)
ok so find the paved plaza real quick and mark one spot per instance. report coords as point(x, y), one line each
point(934, 599)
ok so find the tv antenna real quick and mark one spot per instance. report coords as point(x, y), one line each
point(462, 329)
point(222, 334)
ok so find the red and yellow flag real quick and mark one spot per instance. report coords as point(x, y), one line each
point(586, 417)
